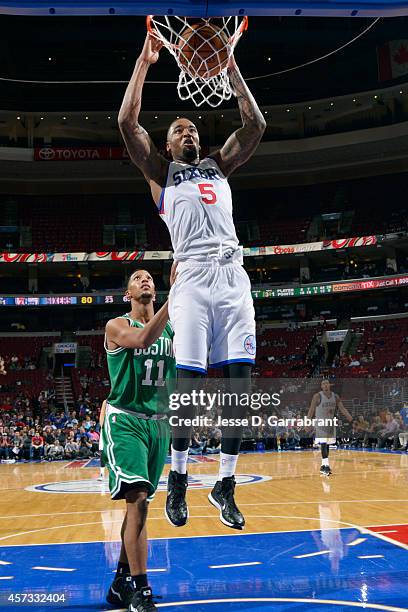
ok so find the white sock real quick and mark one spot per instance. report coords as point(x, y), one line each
point(228, 464)
point(179, 461)
point(325, 461)
point(102, 472)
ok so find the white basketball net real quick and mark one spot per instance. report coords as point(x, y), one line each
point(203, 66)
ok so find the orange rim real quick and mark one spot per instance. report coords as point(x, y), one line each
point(149, 24)
point(243, 26)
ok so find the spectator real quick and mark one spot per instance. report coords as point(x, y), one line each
point(71, 449)
point(37, 446)
point(387, 434)
point(85, 448)
point(17, 446)
point(5, 447)
point(26, 452)
point(54, 451)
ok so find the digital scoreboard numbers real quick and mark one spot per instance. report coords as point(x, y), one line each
point(62, 300)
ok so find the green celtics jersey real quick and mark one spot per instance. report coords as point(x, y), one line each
point(142, 379)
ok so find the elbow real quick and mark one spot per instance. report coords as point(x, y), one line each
point(124, 121)
point(142, 342)
point(261, 125)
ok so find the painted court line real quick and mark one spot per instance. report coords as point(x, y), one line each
point(6, 577)
point(371, 556)
point(313, 602)
point(357, 542)
point(235, 565)
point(314, 554)
point(362, 529)
point(55, 569)
point(5, 563)
point(288, 503)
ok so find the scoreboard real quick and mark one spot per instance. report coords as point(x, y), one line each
point(62, 300)
point(104, 299)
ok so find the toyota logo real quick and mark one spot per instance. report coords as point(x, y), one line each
point(46, 154)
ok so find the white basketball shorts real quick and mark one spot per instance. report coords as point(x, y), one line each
point(212, 314)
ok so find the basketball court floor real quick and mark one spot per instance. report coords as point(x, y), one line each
point(310, 543)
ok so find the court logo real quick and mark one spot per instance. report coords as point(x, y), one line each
point(250, 344)
point(91, 485)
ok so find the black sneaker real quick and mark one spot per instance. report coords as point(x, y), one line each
point(222, 497)
point(142, 601)
point(325, 470)
point(121, 591)
point(176, 509)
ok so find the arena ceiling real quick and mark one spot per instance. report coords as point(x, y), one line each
point(105, 48)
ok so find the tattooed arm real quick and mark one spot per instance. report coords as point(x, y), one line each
point(140, 146)
point(244, 141)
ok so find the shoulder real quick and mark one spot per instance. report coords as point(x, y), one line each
point(116, 323)
point(216, 161)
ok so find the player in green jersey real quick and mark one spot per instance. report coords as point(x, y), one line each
point(136, 435)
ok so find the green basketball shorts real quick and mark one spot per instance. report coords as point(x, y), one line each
point(134, 451)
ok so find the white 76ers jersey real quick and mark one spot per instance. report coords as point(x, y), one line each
point(196, 206)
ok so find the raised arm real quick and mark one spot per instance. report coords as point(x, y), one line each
point(119, 332)
point(140, 146)
point(244, 141)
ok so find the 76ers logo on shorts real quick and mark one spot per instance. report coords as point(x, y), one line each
point(250, 344)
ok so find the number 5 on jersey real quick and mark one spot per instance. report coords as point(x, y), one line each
point(208, 195)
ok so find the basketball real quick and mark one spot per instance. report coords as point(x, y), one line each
point(203, 50)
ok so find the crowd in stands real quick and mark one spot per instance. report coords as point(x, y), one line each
point(32, 426)
point(37, 430)
point(93, 219)
point(382, 351)
point(388, 429)
point(13, 362)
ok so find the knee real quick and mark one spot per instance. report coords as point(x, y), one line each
point(137, 504)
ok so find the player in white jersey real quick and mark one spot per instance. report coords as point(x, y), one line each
point(324, 407)
point(210, 305)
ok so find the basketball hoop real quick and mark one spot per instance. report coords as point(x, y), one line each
point(202, 49)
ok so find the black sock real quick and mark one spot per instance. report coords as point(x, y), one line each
point(122, 569)
point(140, 581)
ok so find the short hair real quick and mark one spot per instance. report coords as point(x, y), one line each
point(175, 121)
point(134, 272)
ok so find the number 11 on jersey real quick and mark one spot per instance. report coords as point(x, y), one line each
point(159, 382)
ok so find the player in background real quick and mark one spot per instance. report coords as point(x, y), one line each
point(136, 433)
point(324, 406)
point(210, 306)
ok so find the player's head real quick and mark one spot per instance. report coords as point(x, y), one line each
point(325, 385)
point(183, 141)
point(140, 287)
